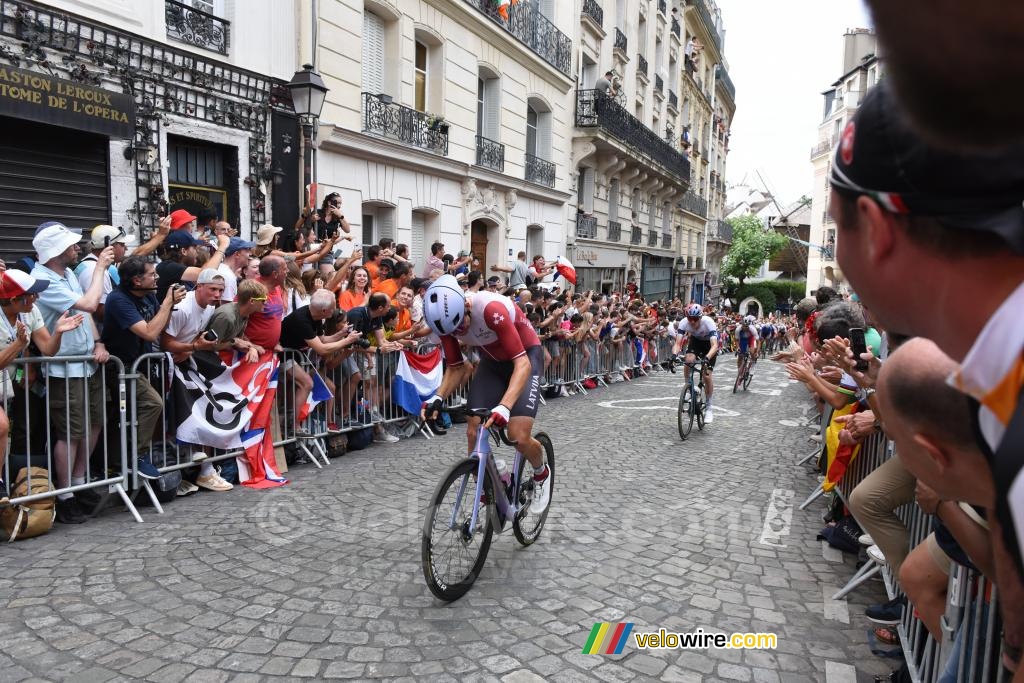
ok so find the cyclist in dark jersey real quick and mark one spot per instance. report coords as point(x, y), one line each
point(507, 380)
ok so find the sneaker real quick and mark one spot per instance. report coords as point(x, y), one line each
point(709, 415)
point(437, 427)
point(333, 427)
point(384, 437)
point(68, 511)
point(146, 469)
point(541, 491)
point(213, 482)
point(887, 613)
point(87, 499)
point(186, 488)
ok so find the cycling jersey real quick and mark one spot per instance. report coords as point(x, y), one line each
point(496, 325)
point(744, 334)
point(704, 330)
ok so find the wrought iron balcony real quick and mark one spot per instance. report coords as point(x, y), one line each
point(659, 84)
point(823, 147)
point(699, 263)
point(673, 100)
point(727, 84)
point(676, 30)
point(196, 27)
point(666, 240)
point(595, 109)
point(540, 171)
point(490, 154)
point(586, 226)
point(652, 239)
point(662, 7)
point(694, 203)
point(403, 124)
point(533, 30)
point(620, 40)
point(709, 23)
point(720, 231)
point(614, 231)
point(594, 11)
point(641, 64)
point(634, 235)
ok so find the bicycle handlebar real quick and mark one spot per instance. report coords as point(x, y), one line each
point(497, 432)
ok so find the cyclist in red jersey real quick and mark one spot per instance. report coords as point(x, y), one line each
point(507, 380)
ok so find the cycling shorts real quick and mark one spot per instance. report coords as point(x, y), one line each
point(490, 382)
point(701, 348)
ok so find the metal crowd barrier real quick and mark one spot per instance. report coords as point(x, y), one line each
point(971, 626)
point(35, 433)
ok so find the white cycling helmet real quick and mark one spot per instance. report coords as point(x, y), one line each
point(750, 320)
point(444, 305)
point(694, 311)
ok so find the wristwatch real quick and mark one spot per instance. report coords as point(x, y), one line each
point(868, 393)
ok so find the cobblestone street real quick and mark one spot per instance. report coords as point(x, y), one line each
point(322, 578)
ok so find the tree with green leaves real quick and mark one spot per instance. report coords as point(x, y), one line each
point(752, 245)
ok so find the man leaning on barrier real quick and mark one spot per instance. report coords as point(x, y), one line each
point(73, 394)
point(132, 321)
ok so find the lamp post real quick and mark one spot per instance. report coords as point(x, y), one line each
point(308, 94)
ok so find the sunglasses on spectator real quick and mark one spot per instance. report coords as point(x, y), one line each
point(258, 298)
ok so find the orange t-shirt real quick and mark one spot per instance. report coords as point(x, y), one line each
point(389, 287)
point(404, 320)
point(349, 299)
point(374, 270)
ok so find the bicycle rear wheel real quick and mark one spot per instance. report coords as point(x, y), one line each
point(747, 376)
point(527, 526)
point(701, 405)
point(685, 412)
point(452, 557)
point(739, 376)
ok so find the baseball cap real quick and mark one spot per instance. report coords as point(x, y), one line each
point(238, 244)
point(181, 240)
point(101, 232)
point(265, 235)
point(54, 240)
point(180, 218)
point(879, 155)
point(208, 276)
point(493, 280)
point(15, 283)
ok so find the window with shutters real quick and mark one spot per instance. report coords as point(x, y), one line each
point(547, 8)
point(666, 217)
point(417, 247)
point(373, 54)
point(613, 200)
point(488, 111)
point(531, 131)
point(585, 189)
point(651, 208)
point(421, 77)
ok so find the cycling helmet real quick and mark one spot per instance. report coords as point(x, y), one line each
point(694, 311)
point(444, 305)
point(750, 320)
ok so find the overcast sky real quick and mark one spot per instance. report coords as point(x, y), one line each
point(781, 56)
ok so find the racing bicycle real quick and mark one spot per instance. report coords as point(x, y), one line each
point(743, 377)
point(692, 400)
point(471, 500)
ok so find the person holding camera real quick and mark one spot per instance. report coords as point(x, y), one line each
point(185, 330)
point(331, 224)
point(133, 320)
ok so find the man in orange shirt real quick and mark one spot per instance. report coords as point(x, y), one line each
point(372, 263)
point(404, 326)
point(400, 277)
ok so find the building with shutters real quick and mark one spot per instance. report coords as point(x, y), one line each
point(861, 70)
point(115, 111)
point(446, 123)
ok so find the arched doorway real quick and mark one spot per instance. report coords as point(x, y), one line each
point(751, 306)
point(478, 242)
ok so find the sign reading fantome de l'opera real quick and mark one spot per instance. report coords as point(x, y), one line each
point(39, 97)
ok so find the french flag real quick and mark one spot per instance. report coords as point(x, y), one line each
point(417, 378)
point(318, 395)
point(566, 269)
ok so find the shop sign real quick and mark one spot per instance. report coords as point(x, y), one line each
point(599, 258)
point(195, 199)
point(38, 97)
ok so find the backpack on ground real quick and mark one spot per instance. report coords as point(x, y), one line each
point(25, 520)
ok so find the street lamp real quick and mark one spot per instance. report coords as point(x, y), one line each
point(308, 94)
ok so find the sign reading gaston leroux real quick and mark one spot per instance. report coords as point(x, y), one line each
point(38, 97)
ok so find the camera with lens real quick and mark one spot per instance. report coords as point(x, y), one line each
point(362, 343)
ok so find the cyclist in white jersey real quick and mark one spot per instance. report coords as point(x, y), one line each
point(703, 335)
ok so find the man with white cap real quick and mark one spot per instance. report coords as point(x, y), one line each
point(75, 396)
point(104, 236)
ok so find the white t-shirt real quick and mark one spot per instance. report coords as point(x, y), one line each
point(230, 282)
point(189, 319)
point(84, 272)
point(33, 320)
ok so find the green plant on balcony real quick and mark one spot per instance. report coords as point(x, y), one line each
point(437, 122)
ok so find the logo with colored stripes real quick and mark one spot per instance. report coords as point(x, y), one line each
point(607, 639)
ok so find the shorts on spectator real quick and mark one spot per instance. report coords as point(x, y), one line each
point(938, 555)
point(349, 367)
point(71, 400)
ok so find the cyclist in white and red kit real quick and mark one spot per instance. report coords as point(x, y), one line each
point(507, 380)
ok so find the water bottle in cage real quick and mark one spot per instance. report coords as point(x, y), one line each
point(503, 472)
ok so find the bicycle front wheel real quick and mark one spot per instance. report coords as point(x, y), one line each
point(700, 403)
point(747, 376)
point(527, 525)
point(685, 412)
point(452, 557)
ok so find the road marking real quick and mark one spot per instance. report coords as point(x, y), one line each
point(791, 423)
point(835, 610)
point(778, 518)
point(617, 404)
point(836, 672)
point(829, 553)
